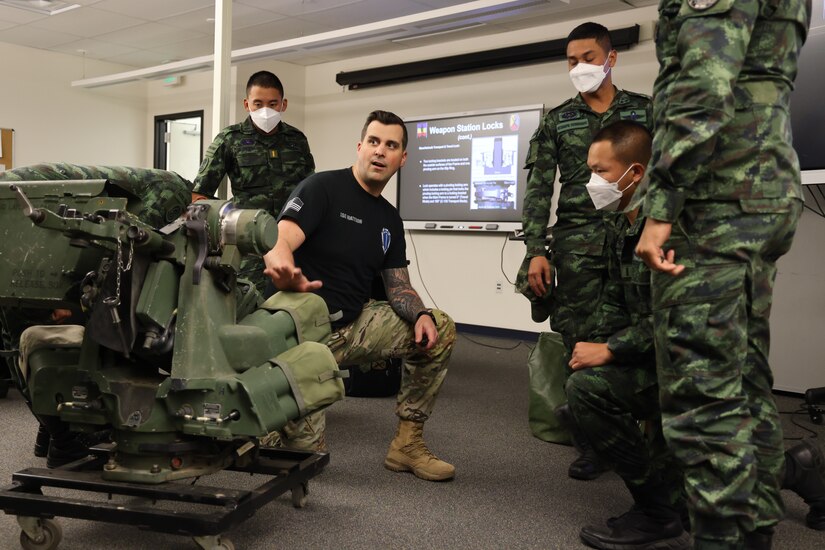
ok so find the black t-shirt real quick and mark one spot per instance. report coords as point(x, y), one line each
point(351, 236)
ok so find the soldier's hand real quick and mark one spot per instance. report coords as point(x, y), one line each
point(426, 333)
point(285, 275)
point(650, 248)
point(590, 354)
point(293, 280)
point(539, 275)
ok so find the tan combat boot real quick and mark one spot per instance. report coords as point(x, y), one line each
point(409, 453)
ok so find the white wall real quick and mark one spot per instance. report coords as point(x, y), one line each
point(54, 122)
point(460, 270)
point(798, 315)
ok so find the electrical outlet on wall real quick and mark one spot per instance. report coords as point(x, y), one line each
point(499, 287)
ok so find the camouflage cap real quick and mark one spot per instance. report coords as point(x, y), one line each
point(539, 305)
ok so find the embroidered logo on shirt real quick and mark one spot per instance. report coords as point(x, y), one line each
point(350, 217)
point(386, 238)
point(634, 115)
point(294, 204)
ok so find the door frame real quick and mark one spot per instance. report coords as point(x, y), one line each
point(160, 131)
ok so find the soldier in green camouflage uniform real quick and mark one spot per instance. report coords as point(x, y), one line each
point(579, 264)
point(264, 165)
point(613, 386)
point(724, 201)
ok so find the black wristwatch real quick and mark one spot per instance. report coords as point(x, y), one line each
point(428, 313)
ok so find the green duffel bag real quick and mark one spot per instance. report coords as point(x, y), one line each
point(547, 365)
point(313, 376)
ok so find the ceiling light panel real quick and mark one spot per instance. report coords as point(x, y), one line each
point(44, 7)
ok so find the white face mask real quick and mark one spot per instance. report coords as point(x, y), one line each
point(587, 78)
point(606, 195)
point(265, 118)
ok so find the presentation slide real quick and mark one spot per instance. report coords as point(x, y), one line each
point(465, 170)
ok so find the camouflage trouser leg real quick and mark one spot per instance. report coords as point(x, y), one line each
point(379, 333)
point(581, 281)
point(712, 338)
point(252, 269)
point(608, 402)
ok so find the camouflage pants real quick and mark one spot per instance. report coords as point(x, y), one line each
point(252, 269)
point(608, 403)
point(712, 338)
point(379, 333)
point(581, 281)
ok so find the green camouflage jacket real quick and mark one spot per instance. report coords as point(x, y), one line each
point(722, 128)
point(263, 170)
point(562, 140)
point(633, 342)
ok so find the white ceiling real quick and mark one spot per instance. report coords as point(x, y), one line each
point(146, 33)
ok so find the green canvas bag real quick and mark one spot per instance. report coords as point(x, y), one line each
point(547, 365)
point(308, 311)
point(313, 375)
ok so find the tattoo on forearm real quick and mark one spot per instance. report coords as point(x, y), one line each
point(402, 296)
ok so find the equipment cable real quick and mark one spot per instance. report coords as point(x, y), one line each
point(801, 410)
point(503, 246)
point(421, 277)
point(819, 211)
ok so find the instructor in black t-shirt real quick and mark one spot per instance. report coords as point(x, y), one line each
point(336, 233)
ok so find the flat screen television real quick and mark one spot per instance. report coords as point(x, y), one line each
point(464, 171)
point(808, 101)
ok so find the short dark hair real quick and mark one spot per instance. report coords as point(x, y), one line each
point(591, 30)
point(631, 141)
point(388, 118)
point(264, 79)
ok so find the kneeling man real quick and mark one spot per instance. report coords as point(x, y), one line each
point(614, 386)
point(336, 233)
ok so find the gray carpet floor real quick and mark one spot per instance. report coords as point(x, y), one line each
point(511, 489)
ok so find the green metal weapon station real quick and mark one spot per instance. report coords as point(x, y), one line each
point(178, 359)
